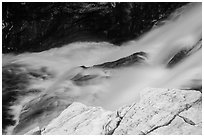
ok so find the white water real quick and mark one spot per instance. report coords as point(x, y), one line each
point(182, 29)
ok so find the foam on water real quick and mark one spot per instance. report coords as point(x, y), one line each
point(182, 29)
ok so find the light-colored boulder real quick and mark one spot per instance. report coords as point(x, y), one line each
point(160, 111)
point(80, 119)
point(159, 108)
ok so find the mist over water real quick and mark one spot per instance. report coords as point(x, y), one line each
point(113, 88)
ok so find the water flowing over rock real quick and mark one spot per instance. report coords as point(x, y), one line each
point(100, 86)
point(160, 111)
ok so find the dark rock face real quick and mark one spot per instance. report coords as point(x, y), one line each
point(136, 58)
point(79, 79)
point(183, 53)
point(41, 26)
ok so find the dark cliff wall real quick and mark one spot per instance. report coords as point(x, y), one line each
point(41, 26)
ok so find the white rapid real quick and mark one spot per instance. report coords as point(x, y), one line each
point(182, 30)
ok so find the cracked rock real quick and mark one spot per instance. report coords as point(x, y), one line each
point(178, 127)
point(157, 108)
point(80, 119)
point(160, 111)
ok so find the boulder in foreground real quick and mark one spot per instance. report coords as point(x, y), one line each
point(160, 111)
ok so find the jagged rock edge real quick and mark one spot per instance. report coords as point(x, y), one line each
point(188, 106)
point(118, 122)
point(169, 122)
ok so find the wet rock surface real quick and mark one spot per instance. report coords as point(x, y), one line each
point(37, 87)
point(136, 58)
point(160, 111)
point(184, 53)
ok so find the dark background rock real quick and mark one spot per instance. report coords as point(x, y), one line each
point(136, 58)
point(40, 26)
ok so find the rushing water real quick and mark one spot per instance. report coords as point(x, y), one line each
point(112, 88)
